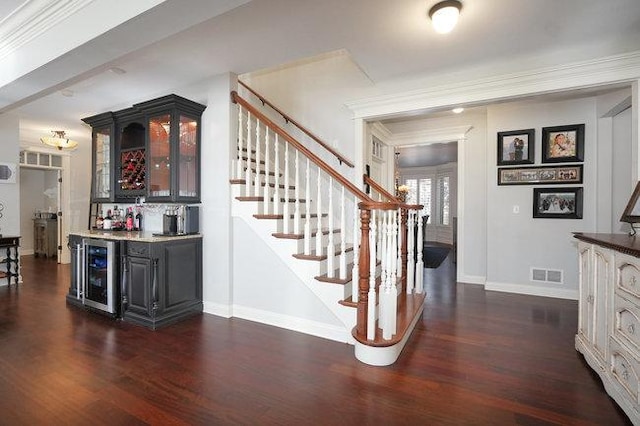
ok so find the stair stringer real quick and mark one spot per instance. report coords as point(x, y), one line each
point(305, 270)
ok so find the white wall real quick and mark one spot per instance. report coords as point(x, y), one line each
point(9, 192)
point(515, 241)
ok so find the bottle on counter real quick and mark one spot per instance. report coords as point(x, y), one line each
point(129, 219)
point(137, 222)
point(106, 223)
point(99, 221)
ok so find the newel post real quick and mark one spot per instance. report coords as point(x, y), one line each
point(404, 215)
point(363, 271)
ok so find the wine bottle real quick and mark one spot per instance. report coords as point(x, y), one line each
point(99, 221)
point(138, 220)
point(129, 223)
point(106, 224)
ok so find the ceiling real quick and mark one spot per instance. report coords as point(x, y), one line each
point(391, 41)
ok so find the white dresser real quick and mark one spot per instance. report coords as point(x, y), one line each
point(609, 314)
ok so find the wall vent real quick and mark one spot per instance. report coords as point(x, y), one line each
point(554, 276)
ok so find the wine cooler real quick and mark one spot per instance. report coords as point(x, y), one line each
point(99, 274)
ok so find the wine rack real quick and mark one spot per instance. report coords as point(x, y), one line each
point(133, 167)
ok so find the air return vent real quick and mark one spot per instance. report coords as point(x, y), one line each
point(553, 276)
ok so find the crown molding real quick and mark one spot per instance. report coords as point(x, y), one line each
point(32, 19)
point(608, 70)
point(426, 137)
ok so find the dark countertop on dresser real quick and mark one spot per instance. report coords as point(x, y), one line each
point(620, 242)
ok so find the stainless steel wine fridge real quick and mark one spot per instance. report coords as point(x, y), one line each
point(97, 260)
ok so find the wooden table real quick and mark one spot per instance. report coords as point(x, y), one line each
point(12, 259)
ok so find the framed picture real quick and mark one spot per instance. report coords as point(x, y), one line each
point(563, 144)
point(557, 203)
point(516, 147)
point(545, 175)
point(631, 213)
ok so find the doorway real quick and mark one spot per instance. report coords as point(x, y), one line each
point(41, 208)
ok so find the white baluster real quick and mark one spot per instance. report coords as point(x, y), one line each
point(419, 263)
point(411, 267)
point(296, 206)
point(399, 244)
point(285, 205)
point(371, 302)
point(240, 144)
point(276, 187)
point(248, 181)
point(355, 273)
point(307, 219)
point(319, 214)
point(343, 237)
point(386, 269)
point(256, 184)
point(267, 188)
point(331, 249)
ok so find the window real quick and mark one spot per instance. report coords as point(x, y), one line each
point(443, 199)
point(420, 193)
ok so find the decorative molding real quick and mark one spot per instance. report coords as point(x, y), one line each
point(532, 290)
point(217, 309)
point(32, 19)
point(470, 279)
point(313, 328)
point(426, 137)
point(608, 70)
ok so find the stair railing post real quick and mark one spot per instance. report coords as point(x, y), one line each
point(256, 183)
point(285, 205)
point(248, 179)
point(267, 185)
point(296, 204)
point(307, 215)
point(420, 262)
point(276, 177)
point(363, 272)
point(240, 162)
point(371, 297)
point(356, 253)
point(319, 212)
point(402, 269)
point(331, 248)
point(411, 267)
point(343, 237)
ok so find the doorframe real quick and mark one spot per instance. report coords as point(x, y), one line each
point(64, 193)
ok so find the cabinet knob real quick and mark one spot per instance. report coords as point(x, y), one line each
point(632, 281)
point(590, 299)
point(630, 328)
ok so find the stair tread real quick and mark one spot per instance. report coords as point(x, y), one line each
point(323, 256)
point(281, 216)
point(409, 305)
point(261, 198)
point(272, 185)
point(301, 236)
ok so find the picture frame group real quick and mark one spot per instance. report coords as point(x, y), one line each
point(543, 175)
point(557, 203)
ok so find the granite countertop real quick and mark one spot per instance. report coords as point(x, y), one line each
point(143, 236)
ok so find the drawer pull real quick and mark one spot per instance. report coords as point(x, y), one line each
point(632, 281)
point(630, 328)
point(590, 299)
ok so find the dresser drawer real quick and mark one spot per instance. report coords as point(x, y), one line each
point(626, 324)
point(628, 275)
point(624, 369)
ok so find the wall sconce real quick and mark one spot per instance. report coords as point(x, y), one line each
point(59, 140)
point(444, 15)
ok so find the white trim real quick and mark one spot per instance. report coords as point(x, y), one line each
point(426, 137)
point(559, 293)
point(314, 328)
point(32, 19)
point(612, 69)
point(470, 279)
point(26, 252)
point(217, 309)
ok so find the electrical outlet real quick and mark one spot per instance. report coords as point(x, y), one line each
point(516, 209)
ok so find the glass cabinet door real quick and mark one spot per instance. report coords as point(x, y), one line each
point(102, 166)
point(188, 166)
point(159, 156)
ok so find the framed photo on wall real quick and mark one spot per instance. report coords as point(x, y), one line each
point(557, 203)
point(516, 147)
point(543, 175)
point(563, 144)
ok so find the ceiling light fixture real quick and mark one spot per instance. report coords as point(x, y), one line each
point(59, 140)
point(444, 15)
point(457, 110)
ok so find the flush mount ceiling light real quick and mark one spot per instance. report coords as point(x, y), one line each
point(444, 15)
point(457, 110)
point(59, 140)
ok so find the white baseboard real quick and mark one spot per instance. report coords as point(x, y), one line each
point(217, 309)
point(314, 328)
point(532, 290)
point(26, 252)
point(471, 279)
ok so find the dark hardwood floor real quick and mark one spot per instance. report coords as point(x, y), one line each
point(476, 358)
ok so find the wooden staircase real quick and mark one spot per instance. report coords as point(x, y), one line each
point(311, 216)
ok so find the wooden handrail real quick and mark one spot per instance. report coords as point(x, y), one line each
point(304, 150)
point(288, 119)
point(375, 185)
